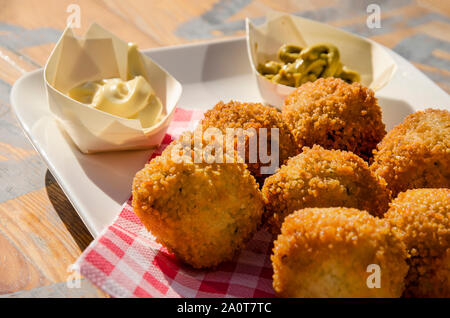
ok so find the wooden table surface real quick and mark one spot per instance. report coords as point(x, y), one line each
point(41, 235)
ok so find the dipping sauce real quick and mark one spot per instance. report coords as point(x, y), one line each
point(300, 65)
point(132, 98)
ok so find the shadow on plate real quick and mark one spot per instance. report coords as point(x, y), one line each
point(394, 111)
point(112, 172)
point(67, 213)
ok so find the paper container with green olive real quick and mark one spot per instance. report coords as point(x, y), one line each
point(367, 60)
point(107, 95)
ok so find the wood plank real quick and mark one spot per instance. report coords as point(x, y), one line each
point(83, 289)
point(16, 271)
point(45, 231)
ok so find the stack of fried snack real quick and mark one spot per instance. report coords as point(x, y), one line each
point(355, 212)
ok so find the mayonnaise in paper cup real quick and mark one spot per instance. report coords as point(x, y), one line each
point(96, 56)
point(366, 57)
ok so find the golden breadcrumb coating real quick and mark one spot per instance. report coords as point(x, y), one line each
point(202, 212)
point(325, 252)
point(422, 218)
point(336, 115)
point(252, 115)
point(416, 153)
point(323, 178)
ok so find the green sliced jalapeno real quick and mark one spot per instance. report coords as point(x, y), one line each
point(269, 68)
point(288, 53)
point(301, 65)
point(349, 76)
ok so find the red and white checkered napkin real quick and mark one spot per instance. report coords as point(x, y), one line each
point(125, 261)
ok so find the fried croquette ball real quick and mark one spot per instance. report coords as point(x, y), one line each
point(337, 252)
point(336, 115)
point(253, 116)
point(319, 178)
point(416, 153)
point(422, 217)
point(202, 212)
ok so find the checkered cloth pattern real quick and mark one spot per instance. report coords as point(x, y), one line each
point(126, 261)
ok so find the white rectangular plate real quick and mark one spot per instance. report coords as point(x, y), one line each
point(98, 184)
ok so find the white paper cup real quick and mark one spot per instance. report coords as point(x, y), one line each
point(100, 55)
point(368, 58)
